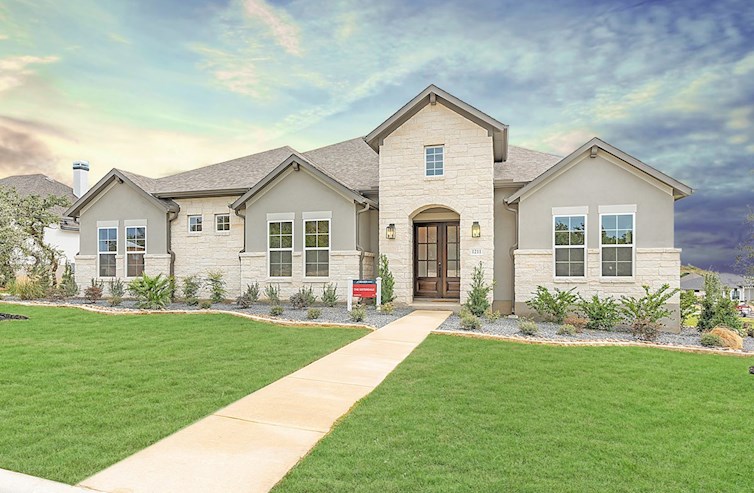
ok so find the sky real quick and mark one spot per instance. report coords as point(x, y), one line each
point(157, 87)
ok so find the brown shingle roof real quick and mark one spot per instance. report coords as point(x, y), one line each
point(524, 165)
point(39, 184)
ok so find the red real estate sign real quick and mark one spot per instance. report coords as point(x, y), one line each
point(364, 289)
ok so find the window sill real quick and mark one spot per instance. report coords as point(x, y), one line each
point(570, 280)
point(194, 233)
point(279, 279)
point(618, 280)
point(434, 178)
point(317, 279)
point(222, 233)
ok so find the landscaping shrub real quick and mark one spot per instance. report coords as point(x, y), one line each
point(711, 340)
point(329, 294)
point(28, 289)
point(730, 338)
point(644, 314)
point(68, 286)
point(93, 293)
point(216, 283)
point(387, 308)
point(276, 310)
point(151, 293)
point(205, 304)
point(552, 306)
point(313, 313)
point(688, 305)
point(117, 290)
point(469, 321)
point(478, 299)
point(749, 328)
point(358, 313)
point(601, 314)
point(303, 298)
point(250, 296)
point(717, 307)
point(528, 327)
point(388, 281)
point(578, 322)
point(173, 288)
point(191, 286)
point(272, 293)
point(491, 315)
point(566, 330)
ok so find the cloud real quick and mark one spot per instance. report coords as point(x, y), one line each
point(283, 29)
point(23, 153)
point(3, 37)
point(14, 71)
point(119, 39)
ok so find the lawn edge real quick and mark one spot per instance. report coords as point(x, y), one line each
point(548, 342)
point(130, 311)
point(20, 482)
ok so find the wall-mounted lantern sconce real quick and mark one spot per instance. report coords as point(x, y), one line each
point(476, 230)
point(390, 231)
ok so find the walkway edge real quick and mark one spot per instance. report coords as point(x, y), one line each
point(16, 482)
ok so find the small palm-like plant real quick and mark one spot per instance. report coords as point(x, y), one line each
point(151, 293)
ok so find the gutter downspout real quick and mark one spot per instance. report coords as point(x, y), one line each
point(243, 250)
point(358, 243)
point(170, 241)
point(511, 251)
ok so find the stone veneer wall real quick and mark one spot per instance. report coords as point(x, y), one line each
point(86, 269)
point(466, 188)
point(200, 253)
point(654, 267)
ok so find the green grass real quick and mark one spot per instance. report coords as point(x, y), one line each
point(80, 391)
point(477, 415)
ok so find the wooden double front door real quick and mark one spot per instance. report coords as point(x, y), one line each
point(437, 264)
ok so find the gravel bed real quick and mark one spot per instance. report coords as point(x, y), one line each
point(509, 327)
point(335, 315)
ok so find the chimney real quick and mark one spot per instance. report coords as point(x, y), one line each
point(80, 178)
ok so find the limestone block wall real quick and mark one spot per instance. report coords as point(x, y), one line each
point(466, 188)
point(654, 267)
point(200, 253)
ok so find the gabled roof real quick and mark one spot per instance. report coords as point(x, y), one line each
point(432, 95)
point(297, 161)
point(680, 190)
point(39, 184)
point(728, 280)
point(139, 183)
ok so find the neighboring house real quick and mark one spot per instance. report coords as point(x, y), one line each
point(739, 288)
point(436, 188)
point(63, 235)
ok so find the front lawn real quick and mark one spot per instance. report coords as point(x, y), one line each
point(80, 391)
point(473, 415)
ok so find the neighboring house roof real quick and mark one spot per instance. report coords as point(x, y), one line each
point(44, 186)
point(728, 280)
point(432, 95)
point(680, 190)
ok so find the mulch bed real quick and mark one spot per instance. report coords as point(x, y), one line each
point(10, 316)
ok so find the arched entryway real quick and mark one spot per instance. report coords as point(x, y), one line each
point(437, 264)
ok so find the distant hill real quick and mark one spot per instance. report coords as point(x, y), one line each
point(690, 269)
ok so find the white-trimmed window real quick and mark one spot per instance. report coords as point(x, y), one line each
point(195, 223)
point(569, 241)
point(280, 248)
point(434, 161)
point(222, 223)
point(317, 248)
point(617, 237)
point(107, 249)
point(136, 247)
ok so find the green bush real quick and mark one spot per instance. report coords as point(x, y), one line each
point(329, 294)
point(313, 313)
point(68, 286)
point(28, 289)
point(717, 307)
point(191, 286)
point(601, 314)
point(272, 293)
point(749, 328)
point(205, 304)
point(358, 313)
point(491, 315)
point(469, 321)
point(478, 298)
point(276, 310)
point(151, 293)
point(250, 296)
point(216, 283)
point(528, 327)
point(387, 292)
point(117, 291)
point(387, 308)
point(644, 314)
point(726, 315)
point(688, 305)
point(566, 330)
point(711, 340)
point(303, 298)
point(93, 293)
point(173, 288)
point(552, 306)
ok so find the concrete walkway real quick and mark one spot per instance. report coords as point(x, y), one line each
point(251, 444)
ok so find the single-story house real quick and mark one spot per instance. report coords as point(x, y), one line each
point(436, 187)
point(739, 288)
point(64, 234)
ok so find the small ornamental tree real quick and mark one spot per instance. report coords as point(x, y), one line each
point(717, 307)
point(388, 282)
point(478, 301)
point(688, 304)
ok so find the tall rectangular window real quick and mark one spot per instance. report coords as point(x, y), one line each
point(222, 222)
point(570, 246)
point(434, 161)
point(107, 248)
point(317, 248)
point(617, 245)
point(136, 247)
point(280, 245)
point(195, 224)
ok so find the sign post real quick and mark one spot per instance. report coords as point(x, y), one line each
point(364, 288)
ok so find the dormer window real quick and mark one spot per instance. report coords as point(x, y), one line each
point(434, 161)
